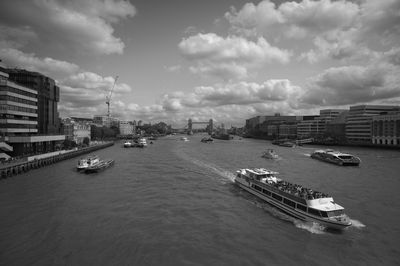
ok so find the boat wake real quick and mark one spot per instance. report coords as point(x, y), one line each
point(357, 224)
point(307, 154)
point(314, 228)
point(227, 175)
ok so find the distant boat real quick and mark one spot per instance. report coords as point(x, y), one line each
point(287, 144)
point(84, 163)
point(270, 154)
point(336, 157)
point(100, 166)
point(205, 140)
point(184, 139)
point(127, 144)
point(142, 142)
point(222, 136)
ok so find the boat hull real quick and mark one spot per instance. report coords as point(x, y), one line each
point(290, 211)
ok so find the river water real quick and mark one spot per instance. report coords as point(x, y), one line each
point(175, 203)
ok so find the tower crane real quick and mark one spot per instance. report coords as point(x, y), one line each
point(108, 97)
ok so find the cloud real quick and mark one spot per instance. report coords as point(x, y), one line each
point(47, 65)
point(229, 57)
point(74, 25)
point(293, 19)
point(352, 85)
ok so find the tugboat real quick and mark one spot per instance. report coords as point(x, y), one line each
point(336, 157)
point(84, 163)
point(295, 200)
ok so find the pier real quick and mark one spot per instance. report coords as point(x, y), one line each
point(38, 161)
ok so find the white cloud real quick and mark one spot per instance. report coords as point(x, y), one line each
point(352, 85)
point(75, 25)
point(293, 19)
point(47, 66)
point(229, 57)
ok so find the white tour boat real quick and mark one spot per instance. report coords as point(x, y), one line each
point(295, 200)
point(87, 162)
point(336, 157)
point(184, 139)
point(270, 154)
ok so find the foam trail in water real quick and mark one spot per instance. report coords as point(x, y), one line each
point(314, 228)
point(307, 154)
point(357, 224)
point(221, 172)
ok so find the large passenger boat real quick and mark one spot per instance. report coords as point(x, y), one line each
point(336, 157)
point(295, 200)
point(84, 163)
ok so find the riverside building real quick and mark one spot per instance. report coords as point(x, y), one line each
point(29, 116)
point(386, 129)
point(359, 122)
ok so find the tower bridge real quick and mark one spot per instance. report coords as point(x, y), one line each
point(191, 123)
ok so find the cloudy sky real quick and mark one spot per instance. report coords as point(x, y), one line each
point(228, 59)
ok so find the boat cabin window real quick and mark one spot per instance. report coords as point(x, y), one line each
point(313, 211)
point(266, 192)
point(345, 157)
point(257, 187)
point(335, 213)
point(301, 207)
point(323, 213)
point(289, 202)
point(275, 196)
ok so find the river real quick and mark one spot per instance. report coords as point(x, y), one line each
point(175, 203)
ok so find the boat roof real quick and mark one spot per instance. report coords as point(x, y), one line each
point(260, 171)
point(324, 204)
point(337, 153)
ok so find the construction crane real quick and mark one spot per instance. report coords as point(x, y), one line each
point(108, 98)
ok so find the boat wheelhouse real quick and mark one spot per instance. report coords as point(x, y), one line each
point(295, 200)
point(336, 157)
point(88, 161)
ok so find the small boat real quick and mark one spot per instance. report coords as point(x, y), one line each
point(184, 139)
point(295, 200)
point(100, 166)
point(142, 142)
point(287, 144)
point(205, 140)
point(270, 154)
point(127, 144)
point(336, 157)
point(84, 163)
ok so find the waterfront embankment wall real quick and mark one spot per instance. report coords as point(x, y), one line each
point(38, 161)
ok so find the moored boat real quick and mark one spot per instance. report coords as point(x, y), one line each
point(100, 166)
point(336, 157)
point(270, 154)
point(84, 163)
point(295, 200)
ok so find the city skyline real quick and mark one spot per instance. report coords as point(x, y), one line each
point(225, 60)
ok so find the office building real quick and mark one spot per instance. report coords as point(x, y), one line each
point(126, 128)
point(386, 129)
point(359, 122)
point(29, 124)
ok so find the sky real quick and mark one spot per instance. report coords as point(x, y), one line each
point(226, 60)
